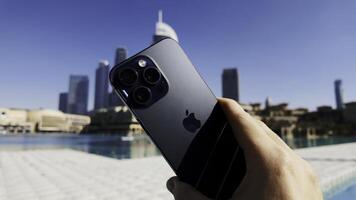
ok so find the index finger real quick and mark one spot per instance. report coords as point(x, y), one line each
point(250, 135)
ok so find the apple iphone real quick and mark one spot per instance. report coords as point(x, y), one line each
point(181, 115)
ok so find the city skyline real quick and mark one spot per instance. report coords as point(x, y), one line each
point(103, 98)
point(292, 59)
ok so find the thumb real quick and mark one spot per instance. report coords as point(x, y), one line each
point(183, 191)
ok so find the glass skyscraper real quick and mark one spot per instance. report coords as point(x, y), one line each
point(339, 94)
point(230, 84)
point(101, 98)
point(78, 94)
point(120, 55)
point(63, 102)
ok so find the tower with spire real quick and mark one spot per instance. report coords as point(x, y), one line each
point(268, 103)
point(163, 30)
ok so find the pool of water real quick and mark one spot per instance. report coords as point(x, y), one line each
point(303, 142)
point(107, 145)
point(347, 194)
point(116, 146)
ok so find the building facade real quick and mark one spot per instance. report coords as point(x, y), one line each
point(339, 94)
point(116, 120)
point(350, 112)
point(13, 121)
point(63, 102)
point(120, 55)
point(115, 100)
point(101, 96)
point(78, 94)
point(230, 84)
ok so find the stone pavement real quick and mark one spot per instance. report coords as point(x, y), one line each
point(70, 174)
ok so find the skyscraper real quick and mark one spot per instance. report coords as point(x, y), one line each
point(267, 103)
point(78, 94)
point(63, 102)
point(114, 99)
point(339, 94)
point(101, 98)
point(120, 55)
point(163, 30)
point(230, 84)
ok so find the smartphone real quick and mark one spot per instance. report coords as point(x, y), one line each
point(182, 117)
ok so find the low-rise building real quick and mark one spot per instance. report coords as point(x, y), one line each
point(76, 123)
point(40, 120)
point(46, 120)
point(300, 122)
point(115, 120)
point(324, 121)
point(14, 121)
point(350, 112)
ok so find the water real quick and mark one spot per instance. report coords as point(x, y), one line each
point(303, 142)
point(114, 146)
point(106, 145)
point(349, 193)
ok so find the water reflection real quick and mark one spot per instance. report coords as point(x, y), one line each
point(118, 147)
point(348, 193)
point(304, 142)
point(107, 145)
point(143, 148)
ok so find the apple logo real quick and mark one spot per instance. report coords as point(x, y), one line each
point(190, 123)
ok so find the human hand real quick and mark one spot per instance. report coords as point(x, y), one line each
point(274, 171)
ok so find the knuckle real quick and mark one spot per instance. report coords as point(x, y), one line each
point(285, 164)
point(282, 163)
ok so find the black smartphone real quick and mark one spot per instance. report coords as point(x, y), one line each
point(181, 115)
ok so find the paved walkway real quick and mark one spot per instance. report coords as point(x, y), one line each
point(69, 174)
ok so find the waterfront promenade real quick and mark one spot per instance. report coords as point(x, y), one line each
point(70, 174)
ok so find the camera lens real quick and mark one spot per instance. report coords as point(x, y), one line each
point(142, 95)
point(151, 75)
point(128, 76)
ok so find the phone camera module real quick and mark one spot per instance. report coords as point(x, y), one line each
point(128, 76)
point(152, 75)
point(139, 82)
point(142, 95)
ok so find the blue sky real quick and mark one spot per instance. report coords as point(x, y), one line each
point(291, 51)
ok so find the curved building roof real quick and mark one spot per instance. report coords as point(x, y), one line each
point(163, 29)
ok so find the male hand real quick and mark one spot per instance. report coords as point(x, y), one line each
point(273, 171)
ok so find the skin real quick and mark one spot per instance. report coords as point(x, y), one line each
point(274, 171)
